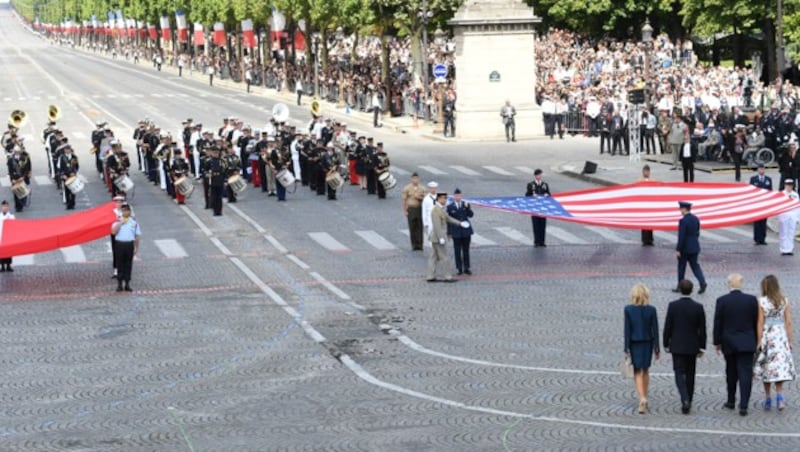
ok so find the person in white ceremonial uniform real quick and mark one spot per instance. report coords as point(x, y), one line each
point(295, 151)
point(787, 221)
point(428, 202)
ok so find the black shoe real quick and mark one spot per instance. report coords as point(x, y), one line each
point(451, 280)
point(702, 289)
point(729, 405)
point(459, 273)
point(9, 269)
point(2, 269)
point(432, 280)
point(742, 411)
point(686, 407)
point(467, 272)
point(119, 288)
point(128, 289)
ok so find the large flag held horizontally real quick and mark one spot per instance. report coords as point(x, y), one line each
point(652, 205)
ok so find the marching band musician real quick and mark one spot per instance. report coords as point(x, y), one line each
point(195, 150)
point(54, 140)
point(138, 137)
point(233, 164)
point(117, 165)
point(161, 156)
point(369, 162)
point(104, 151)
point(223, 131)
point(188, 128)
point(216, 169)
point(150, 144)
point(261, 150)
point(206, 143)
point(5, 263)
point(253, 158)
point(241, 150)
point(304, 145)
point(9, 139)
point(97, 138)
point(381, 165)
point(67, 167)
point(178, 169)
point(316, 158)
point(280, 160)
point(48, 130)
point(19, 171)
point(359, 154)
point(294, 150)
point(330, 165)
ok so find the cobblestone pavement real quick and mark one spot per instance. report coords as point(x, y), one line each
point(308, 325)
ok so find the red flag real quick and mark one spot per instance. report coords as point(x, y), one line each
point(248, 37)
point(166, 32)
point(199, 37)
point(153, 33)
point(219, 35)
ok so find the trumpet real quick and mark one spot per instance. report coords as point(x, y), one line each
point(53, 113)
point(18, 119)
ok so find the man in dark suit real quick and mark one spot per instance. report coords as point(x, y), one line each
point(688, 248)
point(461, 211)
point(761, 180)
point(685, 338)
point(735, 322)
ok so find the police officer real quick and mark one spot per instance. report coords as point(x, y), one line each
point(761, 180)
point(536, 188)
point(127, 234)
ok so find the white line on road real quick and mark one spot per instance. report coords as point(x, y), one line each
point(220, 246)
point(376, 240)
point(479, 240)
point(247, 218)
point(526, 170)
point(465, 170)
point(329, 285)
point(663, 235)
point(608, 234)
point(739, 232)
point(73, 254)
point(170, 248)
point(298, 262)
point(276, 244)
point(197, 221)
point(400, 171)
point(42, 180)
point(565, 236)
point(258, 282)
point(715, 237)
point(328, 242)
point(24, 260)
point(432, 170)
point(515, 235)
point(498, 170)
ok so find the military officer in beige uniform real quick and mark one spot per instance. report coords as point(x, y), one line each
point(413, 194)
point(438, 238)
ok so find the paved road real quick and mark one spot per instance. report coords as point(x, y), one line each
point(307, 325)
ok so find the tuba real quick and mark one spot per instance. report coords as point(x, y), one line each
point(17, 119)
point(316, 110)
point(280, 112)
point(53, 113)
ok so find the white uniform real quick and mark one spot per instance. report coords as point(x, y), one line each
point(296, 160)
point(195, 152)
point(787, 222)
point(428, 202)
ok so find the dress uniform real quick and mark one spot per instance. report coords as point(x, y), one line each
point(5, 263)
point(19, 169)
point(428, 202)
point(233, 164)
point(787, 221)
point(688, 247)
point(180, 168)
point(127, 233)
point(438, 238)
point(215, 172)
point(461, 211)
point(381, 165)
point(761, 180)
point(330, 164)
point(68, 167)
point(279, 161)
point(538, 187)
point(412, 195)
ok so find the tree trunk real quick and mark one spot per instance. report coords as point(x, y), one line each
point(323, 49)
point(385, 79)
point(738, 46)
point(309, 42)
point(771, 50)
point(420, 63)
point(353, 52)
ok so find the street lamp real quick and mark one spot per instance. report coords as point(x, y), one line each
point(424, 17)
point(647, 39)
point(438, 39)
point(316, 38)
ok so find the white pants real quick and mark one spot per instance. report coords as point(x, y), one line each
point(196, 157)
point(296, 168)
point(162, 175)
point(787, 223)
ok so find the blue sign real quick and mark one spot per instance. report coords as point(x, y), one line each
point(440, 71)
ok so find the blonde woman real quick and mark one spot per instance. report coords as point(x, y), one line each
point(641, 340)
point(774, 363)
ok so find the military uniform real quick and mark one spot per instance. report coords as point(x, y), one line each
point(538, 188)
point(68, 167)
point(412, 207)
point(216, 170)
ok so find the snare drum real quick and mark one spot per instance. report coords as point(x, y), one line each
point(387, 180)
point(237, 183)
point(124, 183)
point(334, 180)
point(20, 189)
point(74, 184)
point(285, 177)
point(184, 186)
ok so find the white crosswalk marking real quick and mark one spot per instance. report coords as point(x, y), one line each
point(5, 182)
point(608, 234)
point(328, 242)
point(138, 95)
point(156, 95)
point(668, 236)
point(24, 260)
point(111, 96)
point(565, 236)
point(515, 235)
point(79, 135)
point(479, 240)
point(376, 240)
point(6, 99)
point(126, 96)
point(42, 180)
point(181, 94)
point(498, 170)
point(432, 170)
point(400, 171)
point(715, 237)
point(425, 242)
point(37, 98)
point(739, 232)
point(525, 169)
point(73, 254)
point(465, 170)
point(170, 248)
point(51, 97)
point(169, 95)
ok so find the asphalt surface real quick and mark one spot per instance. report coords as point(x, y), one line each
point(308, 325)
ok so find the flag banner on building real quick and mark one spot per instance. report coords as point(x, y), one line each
point(20, 237)
point(131, 29)
point(152, 33)
point(248, 36)
point(142, 27)
point(120, 21)
point(110, 20)
point(219, 35)
point(180, 22)
point(94, 21)
point(652, 205)
point(199, 37)
point(166, 33)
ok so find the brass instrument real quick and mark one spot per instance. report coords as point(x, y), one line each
point(316, 109)
point(17, 119)
point(53, 113)
point(280, 112)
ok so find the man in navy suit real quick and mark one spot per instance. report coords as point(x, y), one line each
point(761, 180)
point(461, 211)
point(735, 322)
point(685, 338)
point(688, 247)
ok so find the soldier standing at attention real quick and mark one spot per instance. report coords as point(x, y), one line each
point(413, 193)
point(536, 188)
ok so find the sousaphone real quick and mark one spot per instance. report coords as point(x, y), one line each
point(316, 109)
point(280, 112)
point(53, 113)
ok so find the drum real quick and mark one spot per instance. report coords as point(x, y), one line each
point(74, 184)
point(184, 186)
point(387, 180)
point(124, 183)
point(20, 189)
point(237, 183)
point(334, 180)
point(285, 177)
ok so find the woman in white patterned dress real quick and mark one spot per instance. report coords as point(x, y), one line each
point(774, 363)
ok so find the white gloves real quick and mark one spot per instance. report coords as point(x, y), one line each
point(442, 241)
point(465, 224)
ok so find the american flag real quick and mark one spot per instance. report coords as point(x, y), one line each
point(652, 205)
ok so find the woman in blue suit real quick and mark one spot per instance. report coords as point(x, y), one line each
point(641, 339)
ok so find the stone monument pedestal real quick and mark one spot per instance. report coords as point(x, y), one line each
point(495, 62)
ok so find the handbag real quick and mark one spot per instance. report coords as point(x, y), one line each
point(626, 367)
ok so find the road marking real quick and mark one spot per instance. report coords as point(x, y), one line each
point(171, 248)
point(715, 237)
point(21, 98)
point(297, 261)
point(79, 135)
point(513, 234)
point(73, 254)
point(37, 98)
point(565, 236)
point(400, 171)
point(111, 96)
point(220, 246)
point(42, 180)
point(498, 170)
point(479, 240)
point(739, 232)
point(425, 243)
point(5, 182)
point(465, 170)
point(328, 285)
point(6, 99)
point(169, 95)
point(663, 235)
point(277, 299)
point(376, 240)
point(138, 95)
point(276, 244)
point(156, 95)
point(608, 234)
point(524, 169)
point(327, 241)
point(197, 221)
point(24, 260)
point(247, 218)
point(432, 170)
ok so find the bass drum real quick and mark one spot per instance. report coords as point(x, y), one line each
point(285, 177)
point(237, 183)
point(184, 186)
point(20, 189)
point(387, 180)
point(124, 183)
point(334, 180)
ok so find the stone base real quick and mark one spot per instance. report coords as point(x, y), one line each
point(488, 125)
